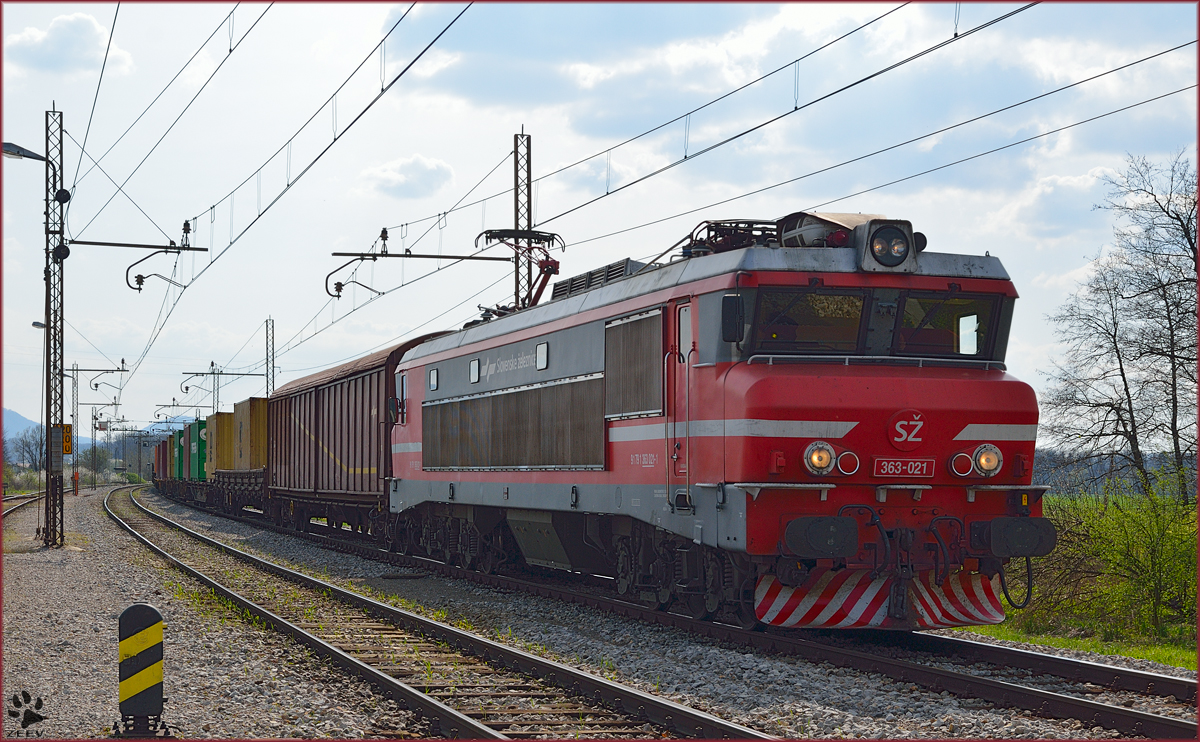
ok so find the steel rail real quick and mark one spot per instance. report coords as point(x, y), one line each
point(19, 505)
point(19, 495)
point(448, 721)
point(1044, 703)
point(1111, 677)
point(676, 717)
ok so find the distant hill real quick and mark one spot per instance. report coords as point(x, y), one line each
point(14, 422)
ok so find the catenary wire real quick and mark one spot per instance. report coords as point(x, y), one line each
point(165, 312)
point(95, 98)
point(400, 337)
point(120, 190)
point(876, 152)
point(455, 206)
point(181, 113)
point(159, 327)
point(320, 108)
point(89, 342)
point(354, 272)
point(768, 122)
point(680, 117)
point(96, 162)
point(998, 149)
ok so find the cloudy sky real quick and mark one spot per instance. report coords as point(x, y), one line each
point(228, 116)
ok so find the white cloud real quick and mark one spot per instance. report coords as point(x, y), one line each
point(434, 61)
point(72, 44)
point(410, 177)
point(1065, 281)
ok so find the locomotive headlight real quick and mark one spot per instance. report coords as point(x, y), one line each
point(988, 460)
point(819, 458)
point(889, 246)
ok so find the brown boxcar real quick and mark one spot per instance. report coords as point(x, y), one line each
point(329, 436)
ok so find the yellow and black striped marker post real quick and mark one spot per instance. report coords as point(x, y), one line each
point(141, 668)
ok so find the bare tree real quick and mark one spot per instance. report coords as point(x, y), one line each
point(1125, 389)
point(30, 447)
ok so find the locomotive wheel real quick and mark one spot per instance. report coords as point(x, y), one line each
point(746, 619)
point(697, 607)
point(624, 567)
point(489, 561)
point(664, 598)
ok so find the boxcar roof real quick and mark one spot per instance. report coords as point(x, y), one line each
point(808, 259)
point(346, 370)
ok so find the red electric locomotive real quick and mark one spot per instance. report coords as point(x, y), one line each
point(804, 422)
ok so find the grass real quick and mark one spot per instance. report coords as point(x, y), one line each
point(1167, 654)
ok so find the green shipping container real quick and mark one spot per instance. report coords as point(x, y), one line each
point(199, 450)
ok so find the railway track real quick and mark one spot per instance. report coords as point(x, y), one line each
point(24, 500)
point(465, 685)
point(1092, 678)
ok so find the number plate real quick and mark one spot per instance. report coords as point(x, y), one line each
point(904, 467)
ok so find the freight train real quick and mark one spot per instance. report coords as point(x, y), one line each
point(804, 422)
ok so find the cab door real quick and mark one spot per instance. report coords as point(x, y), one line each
point(679, 363)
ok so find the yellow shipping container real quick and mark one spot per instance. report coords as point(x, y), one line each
point(250, 433)
point(220, 443)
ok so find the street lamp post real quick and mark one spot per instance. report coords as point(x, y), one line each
point(56, 252)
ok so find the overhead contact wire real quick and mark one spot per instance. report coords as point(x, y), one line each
point(96, 162)
point(120, 190)
point(455, 206)
point(879, 151)
point(797, 109)
point(95, 98)
point(1007, 146)
point(181, 113)
point(158, 329)
point(681, 116)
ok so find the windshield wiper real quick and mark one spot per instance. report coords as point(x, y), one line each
point(936, 308)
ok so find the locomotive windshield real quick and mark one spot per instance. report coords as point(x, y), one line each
point(927, 324)
point(807, 321)
point(942, 324)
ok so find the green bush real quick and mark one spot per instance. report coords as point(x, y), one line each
point(1124, 568)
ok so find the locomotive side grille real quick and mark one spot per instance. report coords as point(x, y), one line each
point(556, 426)
point(633, 367)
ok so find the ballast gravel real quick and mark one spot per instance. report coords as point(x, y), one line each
point(784, 696)
point(223, 677)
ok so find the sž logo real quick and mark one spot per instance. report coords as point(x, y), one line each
point(905, 429)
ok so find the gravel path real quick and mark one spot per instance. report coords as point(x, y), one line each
point(223, 678)
point(779, 695)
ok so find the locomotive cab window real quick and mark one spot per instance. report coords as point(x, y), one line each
point(945, 324)
point(543, 356)
point(808, 322)
point(433, 374)
point(402, 396)
point(685, 330)
point(474, 372)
